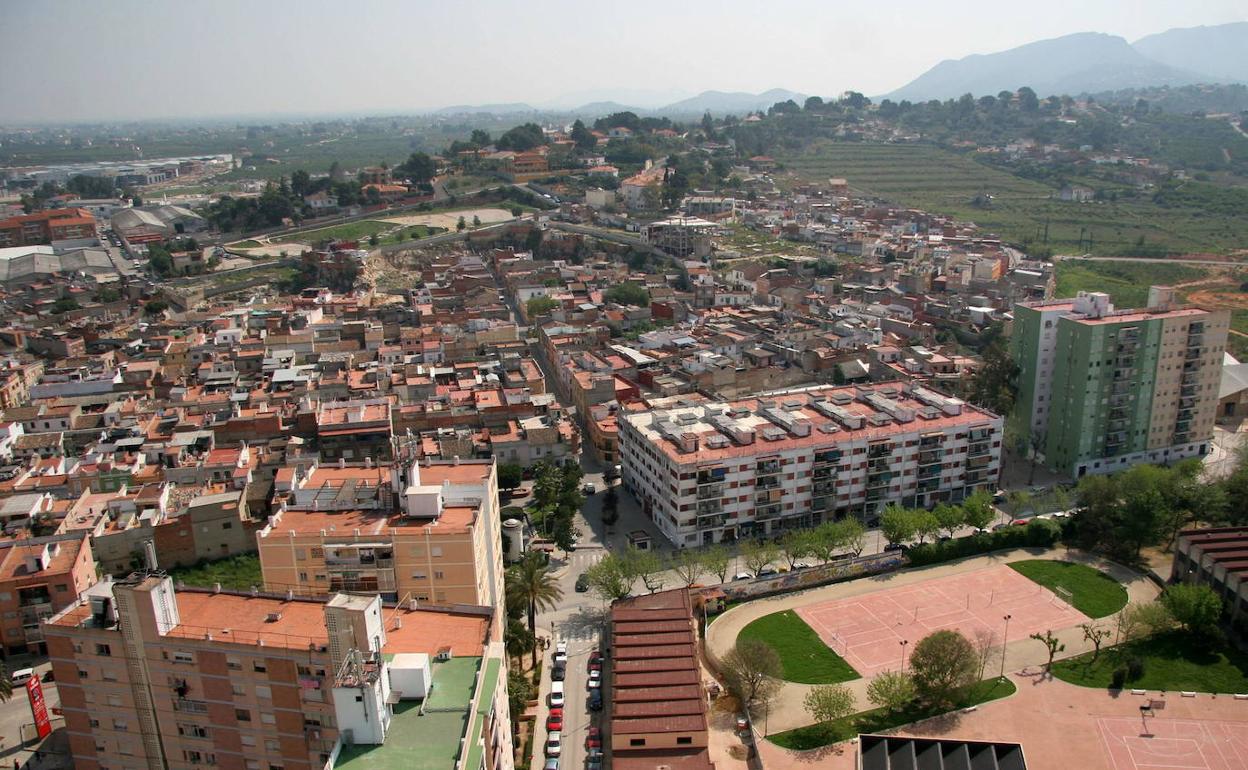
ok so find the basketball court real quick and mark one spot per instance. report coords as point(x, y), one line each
point(1154, 742)
point(868, 630)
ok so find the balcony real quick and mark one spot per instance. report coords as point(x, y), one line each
point(1195, 340)
point(1183, 426)
point(880, 450)
point(929, 485)
point(927, 458)
point(877, 494)
point(823, 473)
point(1120, 388)
point(710, 506)
point(767, 482)
point(1182, 438)
point(879, 464)
point(712, 522)
point(983, 434)
point(1187, 402)
point(821, 503)
point(710, 491)
point(767, 466)
point(712, 476)
point(978, 450)
point(765, 512)
point(828, 456)
point(931, 442)
point(824, 488)
point(1190, 378)
point(1116, 439)
point(978, 462)
point(930, 472)
point(1188, 391)
point(879, 480)
point(977, 477)
point(1192, 354)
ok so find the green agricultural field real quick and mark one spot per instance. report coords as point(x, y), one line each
point(350, 231)
point(1172, 661)
point(805, 657)
point(877, 720)
point(1020, 210)
point(1093, 593)
point(1126, 282)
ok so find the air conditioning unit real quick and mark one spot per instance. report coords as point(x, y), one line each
point(272, 617)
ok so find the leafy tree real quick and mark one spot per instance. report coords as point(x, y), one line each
point(1096, 635)
point(892, 690)
point(1051, 644)
point(518, 639)
point(300, 182)
point(829, 702)
point(977, 510)
point(582, 136)
point(522, 138)
point(758, 554)
point(943, 664)
point(373, 240)
point(461, 225)
point(611, 578)
point(519, 693)
point(625, 119)
point(925, 524)
point(64, 305)
point(155, 307)
point(949, 518)
point(717, 560)
point(995, 385)
point(539, 306)
point(476, 221)
point(646, 565)
point(796, 544)
point(752, 670)
point(628, 293)
point(418, 167)
point(91, 186)
point(510, 476)
point(1153, 617)
point(1196, 608)
point(1027, 99)
point(516, 211)
point(825, 541)
point(898, 524)
point(480, 138)
point(688, 566)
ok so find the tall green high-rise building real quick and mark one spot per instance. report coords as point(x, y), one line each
point(1103, 389)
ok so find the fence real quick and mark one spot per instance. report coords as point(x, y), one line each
point(796, 580)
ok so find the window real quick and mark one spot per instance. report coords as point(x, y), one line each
point(271, 745)
point(227, 525)
point(183, 657)
point(237, 689)
point(436, 550)
point(247, 740)
point(259, 667)
point(268, 718)
point(253, 765)
point(62, 587)
point(233, 663)
point(684, 740)
point(93, 722)
point(637, 742)
point(438, 575)
point(193, 731)
point(262, 691)
point(103, 649)
point(120, 724)
point(114, 700)
point(242, 715)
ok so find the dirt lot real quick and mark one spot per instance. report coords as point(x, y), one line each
point(448, 220)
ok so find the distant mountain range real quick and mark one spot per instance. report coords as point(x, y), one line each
point(1089, 62)
point(718, 103)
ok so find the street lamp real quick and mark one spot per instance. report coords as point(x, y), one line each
point(1005, 640)
point(903, 644)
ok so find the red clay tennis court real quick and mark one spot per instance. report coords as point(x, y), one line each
point(1155, 742)
point(867, 630)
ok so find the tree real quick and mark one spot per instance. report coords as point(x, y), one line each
point(1196, 608)
point(948, 517)
point(531, 582)
point(796, 544)
point(925, 524)
point(1027, 99)
point(892, 690)
point(977, 510)
point(943, 664)
point(1096, 635)
point(518, 639)
point(519, 693)
point(688, 566)
point(628, 293)
point(752, 670)
point(373, 240)
point(582, 137)
point(476, 221)
point(1127, 626)
point(829, 702)
point(418, 167)
point(648, 566)
point(610, 507)
point(510, 476)
point(717, 560)
point(610, 578)
point(300, 182)
point(897, 524)
point(852, 535)
point(1051, 644)
point(825, 541)
point(985, 648)
point(1153, 617)
point(155, 307)
point(758, 554)
point(539, 306)
point(521, 138)
point(480, 138)
point(461, 225)
point(995, 385)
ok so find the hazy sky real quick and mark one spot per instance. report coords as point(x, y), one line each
point(117, 59)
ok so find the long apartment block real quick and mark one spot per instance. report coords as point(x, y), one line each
point(1102, 389)
point(710, 472)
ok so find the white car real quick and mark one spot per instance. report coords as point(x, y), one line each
point(556, 694)
point(595, 679)
point(589, 489)
point(561, 646)
point(561, 659)
point(554, 744)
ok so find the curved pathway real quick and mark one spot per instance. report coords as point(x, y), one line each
point(787, 710)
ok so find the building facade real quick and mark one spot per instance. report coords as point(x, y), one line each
point(1218, 558)
point(153, 678)
point(47, 226)
point(711, 472)
point(38, 578)
point(1101, 390)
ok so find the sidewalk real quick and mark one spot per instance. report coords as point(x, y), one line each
point(787, 710)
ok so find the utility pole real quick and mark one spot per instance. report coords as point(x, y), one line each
point(1004, 641)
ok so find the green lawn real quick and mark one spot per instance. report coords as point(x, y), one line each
point(238, 572)
point(805, 657)
point(877, 720)
point(1171, 662)
point(350, 231)
point(1095, 594)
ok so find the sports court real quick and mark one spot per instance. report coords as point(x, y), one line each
point(1152, 742)
point(867, 630)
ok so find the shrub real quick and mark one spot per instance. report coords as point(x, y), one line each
point(1135, 668)
point(1118, 678)
point(958, 548)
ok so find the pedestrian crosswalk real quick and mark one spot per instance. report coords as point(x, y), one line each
point(582, 560)
point(576, 632)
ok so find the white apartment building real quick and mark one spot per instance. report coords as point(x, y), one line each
point(708, 472)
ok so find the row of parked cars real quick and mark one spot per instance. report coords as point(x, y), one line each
point(557, 700)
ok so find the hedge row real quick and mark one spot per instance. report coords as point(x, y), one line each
point(1039, 533)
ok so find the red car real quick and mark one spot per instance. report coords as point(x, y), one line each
point(555, 720)
point(595, 657)
point(595, 665)
point(593, 740)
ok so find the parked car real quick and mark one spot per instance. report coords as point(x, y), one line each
point(595, 665)
point(556, 694)
point(595, 656)
point(554, 720)
point(554, 744)
point(896, 547)
point(558, 673)
point(595, 678)
point(1019, 523)
point(593, 738)
point(743, 576)
point(582, 583)
point(595, 700)
point(561, 646)
point(552, 763)
point(593, 762)
point(589, 489)
point(768, 572)
point(21, 675)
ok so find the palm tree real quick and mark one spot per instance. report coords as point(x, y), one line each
point(529, 582)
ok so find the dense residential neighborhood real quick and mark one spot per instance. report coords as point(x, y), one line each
point(731, 432)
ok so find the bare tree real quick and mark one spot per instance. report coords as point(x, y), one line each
point(753, 671)
point(688, 566)
point(1052, 645)
point(717, 559)
point(986, 649)
point(1096, 635)
point(758, 554)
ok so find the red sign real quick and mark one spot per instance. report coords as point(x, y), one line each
point(39, 709)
